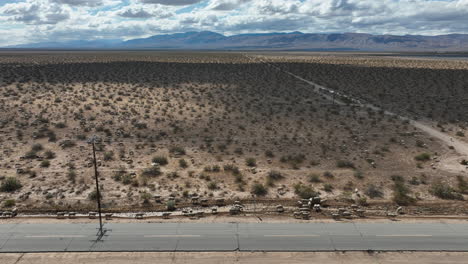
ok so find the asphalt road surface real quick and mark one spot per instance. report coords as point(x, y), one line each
point(170, 237)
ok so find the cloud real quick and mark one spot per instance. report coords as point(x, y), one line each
point(171, 2)
point(140, 12)
point(131, 13)
point(91, 3)
point(225, 5)
point(35, 12)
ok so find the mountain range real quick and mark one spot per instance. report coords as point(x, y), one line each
point(207, 40)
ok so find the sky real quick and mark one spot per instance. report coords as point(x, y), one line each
point(29, 21)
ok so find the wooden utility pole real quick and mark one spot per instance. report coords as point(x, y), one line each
point(92, 141)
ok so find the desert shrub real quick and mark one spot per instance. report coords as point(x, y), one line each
point(177, 150)
point(328, 174)
point(272, 177)
point(238, 178)
point(183, 164)
point(231, 168)
point(414, 181)
point(9, 203)
point(358, 175)
point(462, 184)
point(108, 156)
point(30, 155)
point(239, 151)
point(314, 178)
point(93, 195)
point(67, 144)
point(328, 187)
point(60, 125)
point(212, 185)
point(401, 194)
point(345, 164)
point(293, 159)
point(146, 197)
point(460, 134)
point(140, 125)
point(37, 147)
point(251, 162)
point(259, 190)
point(119, 173)
point(423, 157)
point(126, 179)
point(10, 184)
point(71, 175)
point(269, 154)
point(373, 191)
point(170, 205)
point(152, 171)
point(161, 160)
point(45, 164)
point(444, 191)
point(49, 154)
point(362, 201)
point(419, 143)
point(52, 136)
point(397, 178)
point(275, 175)
point(304, 191)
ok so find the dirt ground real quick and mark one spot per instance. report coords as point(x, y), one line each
point(237, 257)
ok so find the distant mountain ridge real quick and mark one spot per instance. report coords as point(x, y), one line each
point(207, 40)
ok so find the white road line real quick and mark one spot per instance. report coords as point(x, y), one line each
point(55, 236)
point(291, 235)
point(172, 236)
point(403, 235)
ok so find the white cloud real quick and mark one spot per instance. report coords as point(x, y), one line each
point(224, 5)
point(79, 2)
point(35, 12)
point(171, 2)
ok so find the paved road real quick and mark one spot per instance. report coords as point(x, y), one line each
point(234, 237)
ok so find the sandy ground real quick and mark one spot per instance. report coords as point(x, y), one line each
point(236, 257)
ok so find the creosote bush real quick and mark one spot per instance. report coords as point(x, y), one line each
point(401, 194)
point(183, 164)
point(444, 191)
point(177, 150)
point(373, 191)
point(170, 205)
point(152, 171)
point(9, 203)
point(423, 157)
point(161, 160)
point(304, 191)
point(259, 190)
point(345, 164)
point(10, 184)
point(314, 178)
point(251, 162)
